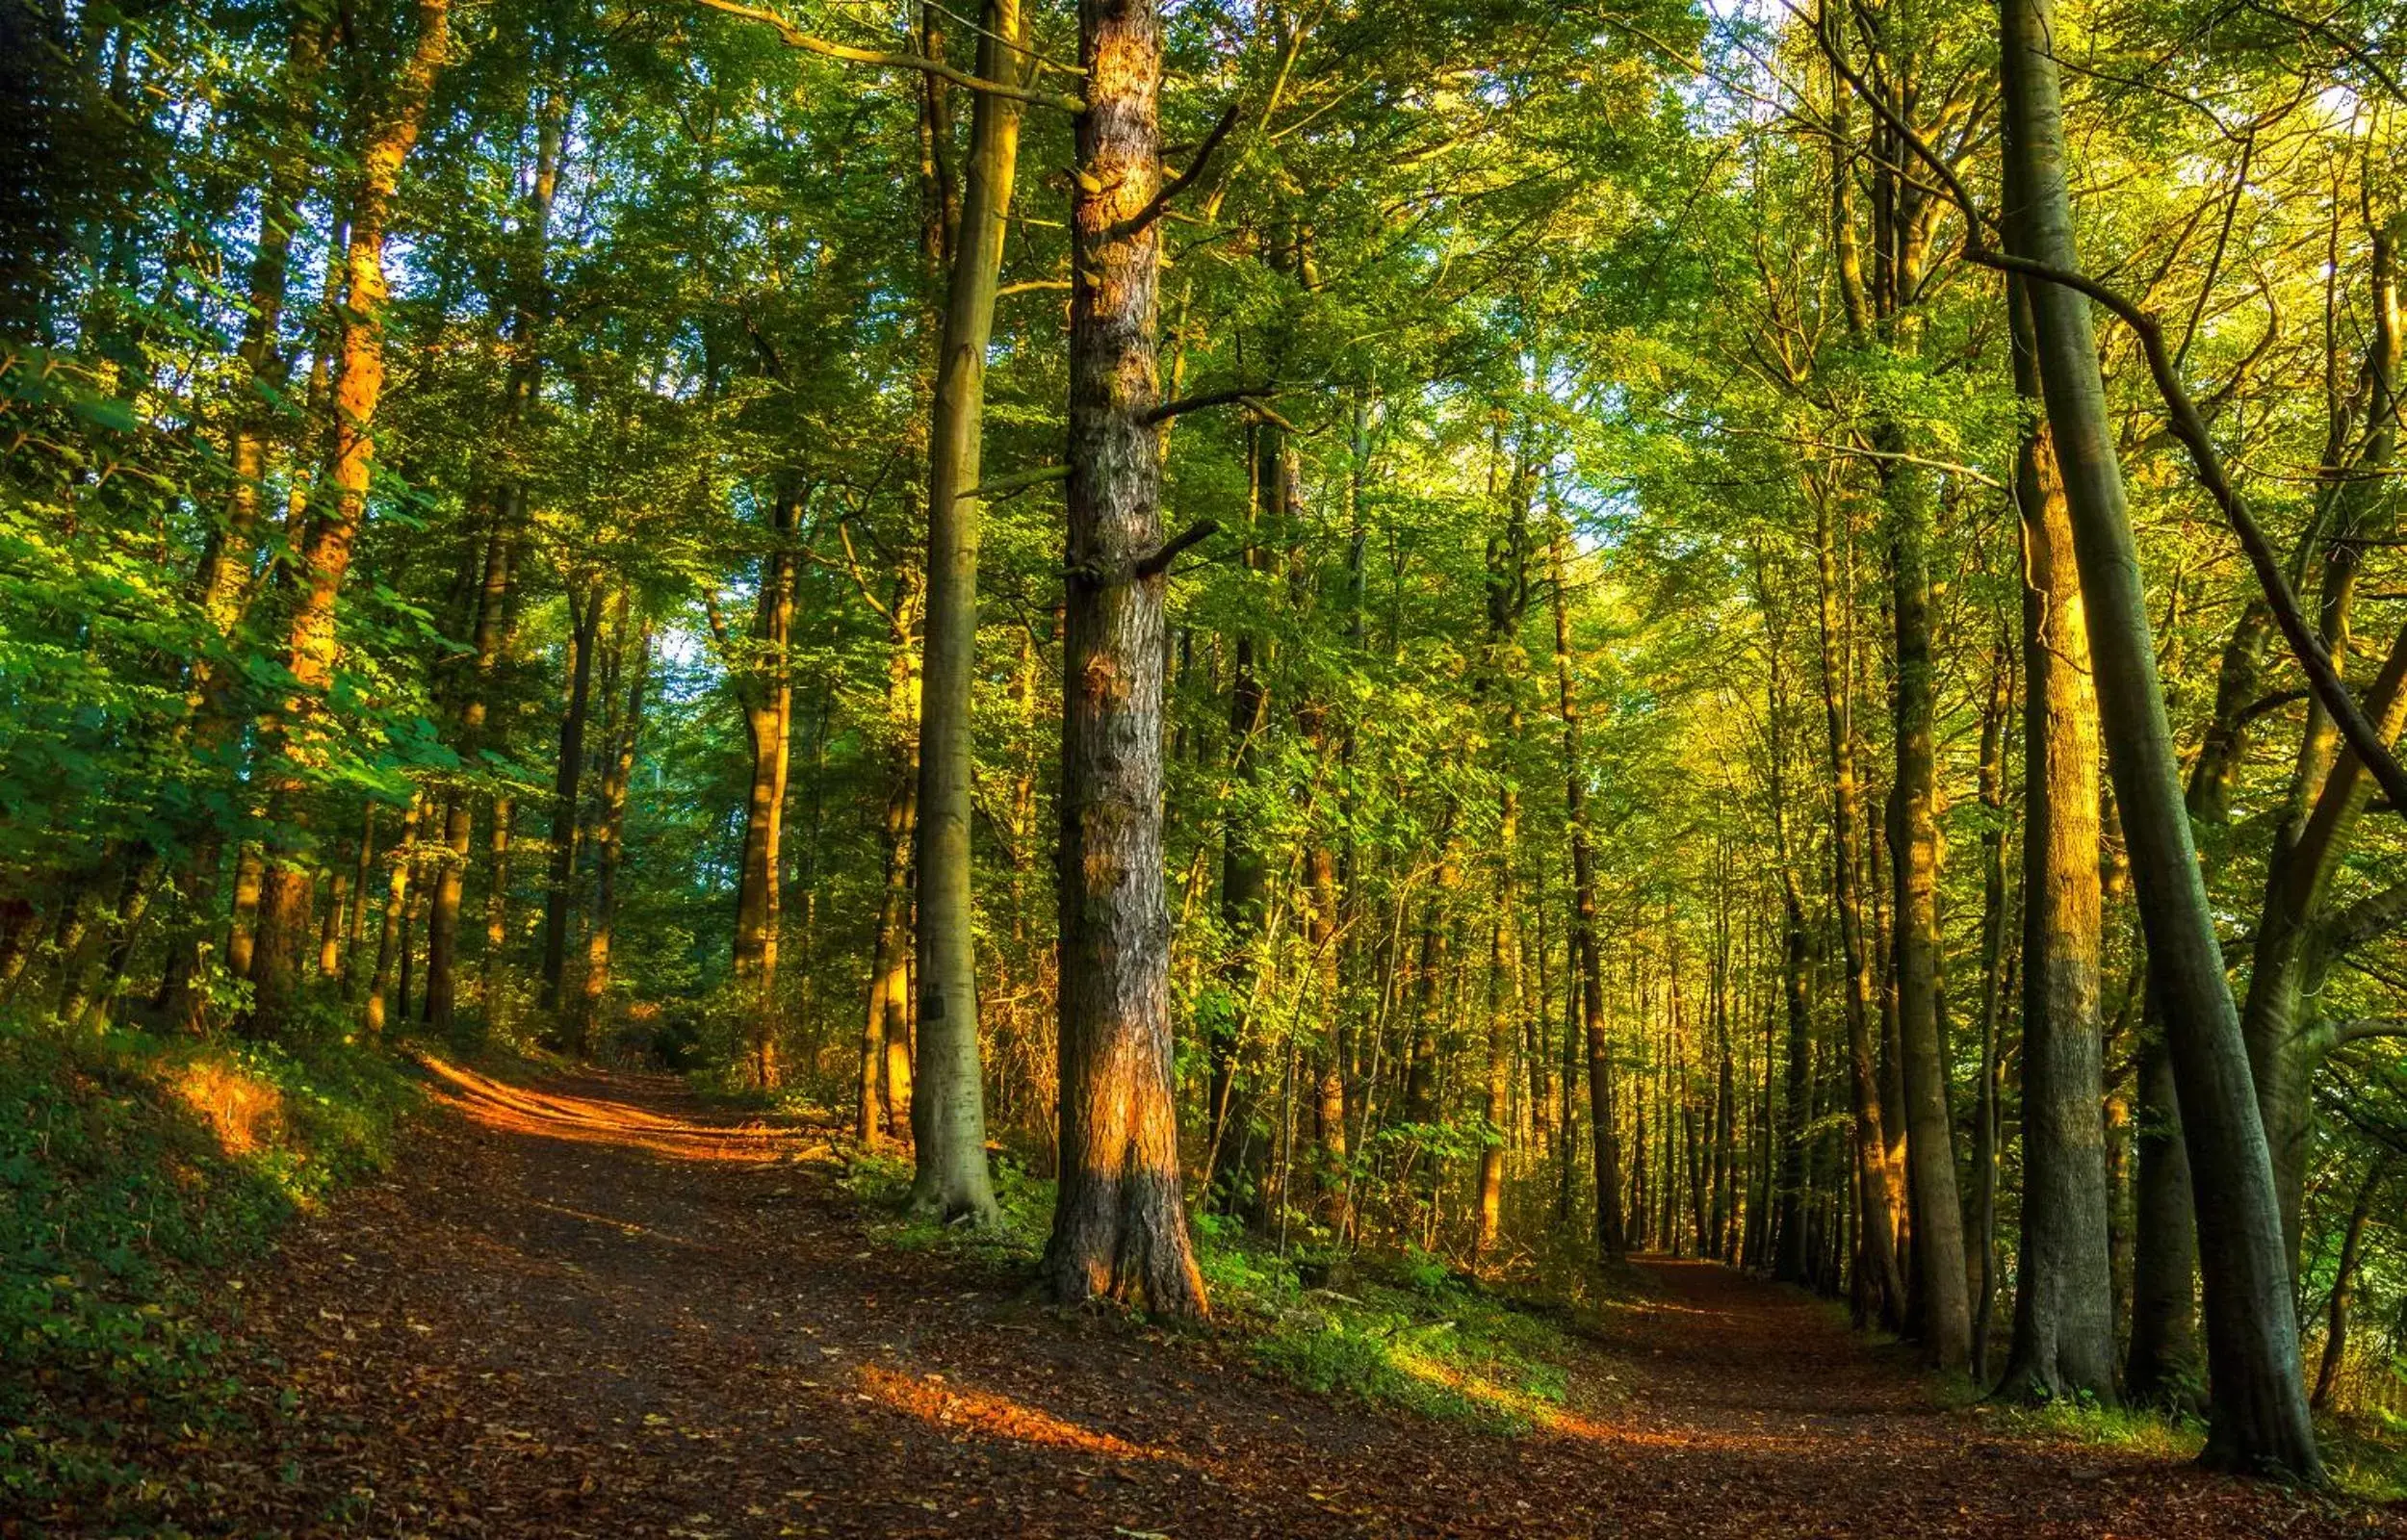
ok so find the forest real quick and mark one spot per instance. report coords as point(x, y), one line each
point(1529, 635)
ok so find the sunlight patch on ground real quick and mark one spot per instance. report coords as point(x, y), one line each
point(595, 1121)
point(933, 1401)
point(245, 1111)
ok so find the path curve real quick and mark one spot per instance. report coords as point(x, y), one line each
point(590, 1307)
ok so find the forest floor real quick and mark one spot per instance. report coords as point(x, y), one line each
point(598, 1307)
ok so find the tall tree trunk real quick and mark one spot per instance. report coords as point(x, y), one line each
point(886, 1098)
point(497, 897)
point(1119, 1226)
point(2258, 1420)
point(1508, 596)
point(288, 731)
point(1994, 903)
point(1881, 1288)
point(1942, 1303)
point(585, 626)
point(2162, 1366)
point(949, 1108)
point(1611, 1240)
point(452, 875)
point(355, 931)
point(2063, 1298)
point(765, 691)
point(609, 841)
point(330, 925)
point(2343, 1280)
point(393, 943)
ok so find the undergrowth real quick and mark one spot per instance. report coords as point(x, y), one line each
point(2365, 1455)
point(133, 1163)
point(2083, 1420)
point(1404, 1331)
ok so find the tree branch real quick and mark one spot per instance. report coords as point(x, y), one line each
point(2182, 417)
point(1183, 180)
point(1253, 396)
point(2365, 1027)
point(1021, 481)
point(795, 37)
point(1159, 561)
point(2366, 919)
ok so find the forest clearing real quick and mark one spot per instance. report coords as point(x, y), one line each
point(1190, 767)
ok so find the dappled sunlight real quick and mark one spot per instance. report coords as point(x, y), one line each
point(596, 1121)
point(245, 1111)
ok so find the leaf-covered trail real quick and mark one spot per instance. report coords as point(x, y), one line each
point(591, 1309)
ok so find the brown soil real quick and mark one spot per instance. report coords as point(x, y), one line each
point(591, 1308)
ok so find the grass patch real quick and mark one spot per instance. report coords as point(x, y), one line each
point(133, 1163)
point(1410, 1334)
point(882, 1182)
point(2080, 1419)
point(2365, 1455)
point(1403, 1332)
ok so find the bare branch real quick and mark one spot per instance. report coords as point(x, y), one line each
point(1159, 561)
point(1184, 180)
point(1253, 396)
point(1019, 482)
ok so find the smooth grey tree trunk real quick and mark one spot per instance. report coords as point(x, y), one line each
point(2258, 1422)
point(948, 1105)
point(2063, 1297)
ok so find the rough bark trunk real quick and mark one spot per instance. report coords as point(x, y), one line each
point(1120, 1227)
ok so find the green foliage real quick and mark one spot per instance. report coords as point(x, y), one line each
point(2367, 1455)
point(1411, 1334)
point(1406, 1333)
point(2082, 1420)
point(133, 1165)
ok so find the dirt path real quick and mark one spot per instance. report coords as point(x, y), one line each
point(591, 1310)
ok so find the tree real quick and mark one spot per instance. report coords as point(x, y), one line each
point(1120, 1225)
point(2258, 1420)
point(287, 736)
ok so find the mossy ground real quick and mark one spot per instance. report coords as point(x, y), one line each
point(134, 1165)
